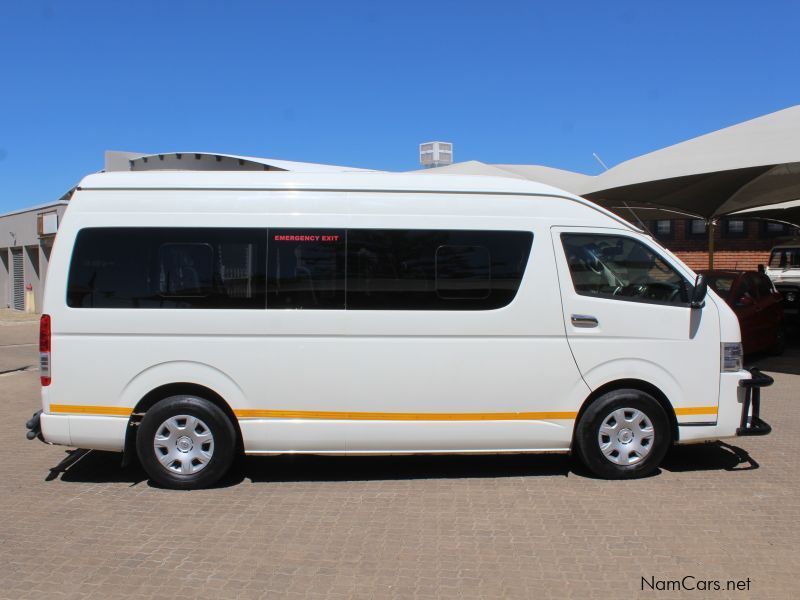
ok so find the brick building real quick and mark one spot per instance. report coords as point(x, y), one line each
point(738, 243)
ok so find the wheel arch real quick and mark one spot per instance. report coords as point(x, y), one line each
point(183, 388)
point(634, 384)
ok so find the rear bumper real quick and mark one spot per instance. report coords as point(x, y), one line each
point(751, 422)
point(82, 431)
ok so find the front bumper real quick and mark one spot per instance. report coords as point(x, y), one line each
point(751, 422)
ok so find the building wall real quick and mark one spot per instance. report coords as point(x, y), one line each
point(5, 292)
point(19, 230)
point(732, 250)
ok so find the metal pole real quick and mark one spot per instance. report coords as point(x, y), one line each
point(712, 226)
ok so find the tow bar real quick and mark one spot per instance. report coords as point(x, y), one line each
point(751, 424)
point(34, 426)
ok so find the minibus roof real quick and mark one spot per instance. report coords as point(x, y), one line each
point(356, 181)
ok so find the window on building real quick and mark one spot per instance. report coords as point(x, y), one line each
point(663, 229)
point(167, 268)
point(696, 227)
point(734, 228)
point(770, 229)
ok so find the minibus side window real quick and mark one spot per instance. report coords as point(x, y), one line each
point(154, 267)
point(185, 270)
point(622, 268)
point(463, 272)
point(306, 268)
point(430, 269)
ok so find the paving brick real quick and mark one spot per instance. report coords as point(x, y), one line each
point(401, 527)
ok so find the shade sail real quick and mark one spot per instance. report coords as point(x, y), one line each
point(751, 164)
point(755, 163)
point(786, 212)
point(699, 195)
point(566, 180)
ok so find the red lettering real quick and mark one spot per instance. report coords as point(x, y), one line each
point(305, 238)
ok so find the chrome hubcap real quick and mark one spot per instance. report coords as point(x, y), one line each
point(183, 444)
point(626, 436)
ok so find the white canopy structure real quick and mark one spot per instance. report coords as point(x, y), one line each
point(570, 181)
point(751, 164)
point(785, 212)
point(210, 161)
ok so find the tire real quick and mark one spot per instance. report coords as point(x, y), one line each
point(623, 434)
point(185, 442)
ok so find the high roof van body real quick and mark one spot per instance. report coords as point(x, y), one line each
point(191, 316)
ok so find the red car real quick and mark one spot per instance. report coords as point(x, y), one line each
point(757, 304)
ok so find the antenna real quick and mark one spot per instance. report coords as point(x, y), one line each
point(641, 223)
point(600, 160)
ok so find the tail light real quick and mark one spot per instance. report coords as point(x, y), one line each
point(44, 349)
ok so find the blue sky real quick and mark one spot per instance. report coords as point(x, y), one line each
point(362, 83)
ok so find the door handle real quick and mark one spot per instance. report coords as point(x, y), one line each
point(583, 321)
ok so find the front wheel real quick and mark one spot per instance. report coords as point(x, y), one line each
point(623, 434)
point(185, 442)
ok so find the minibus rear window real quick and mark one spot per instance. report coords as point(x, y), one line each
point(168, 268)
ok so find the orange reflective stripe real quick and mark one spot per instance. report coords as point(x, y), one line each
point(696, 410)
point(255, 413)
point(247, 413)
point(109, 411)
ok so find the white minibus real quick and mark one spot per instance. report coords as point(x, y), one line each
point(192, 316)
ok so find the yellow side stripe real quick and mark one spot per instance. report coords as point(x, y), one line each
point(115, 411)
point(395, 416)
point(254, 413)
point(696, 410)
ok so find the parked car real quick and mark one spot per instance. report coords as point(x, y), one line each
point(757, 304)
point(784, 271)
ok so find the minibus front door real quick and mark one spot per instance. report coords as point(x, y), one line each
point(627, 316)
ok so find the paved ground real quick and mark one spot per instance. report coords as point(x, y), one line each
point(8, 316)
point(427, 527)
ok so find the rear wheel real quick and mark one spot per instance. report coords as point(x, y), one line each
point(624, 434)
point(185, 442)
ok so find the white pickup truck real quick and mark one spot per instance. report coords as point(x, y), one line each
point(784, 271)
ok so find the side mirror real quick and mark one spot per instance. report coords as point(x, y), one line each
point(762, 268)
point(699, 293)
